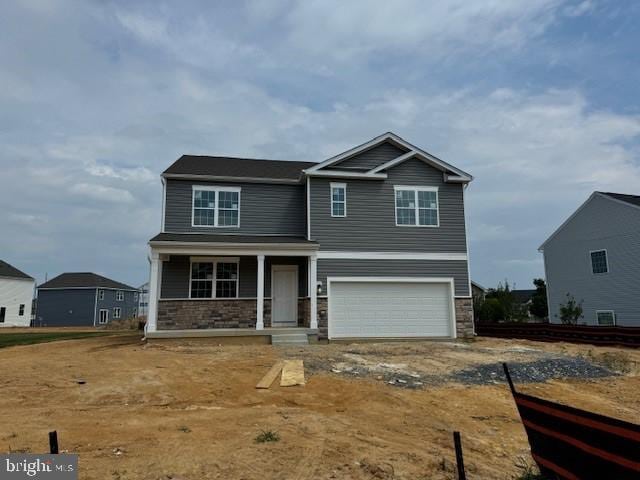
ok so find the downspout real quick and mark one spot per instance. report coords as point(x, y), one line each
point(95, 308)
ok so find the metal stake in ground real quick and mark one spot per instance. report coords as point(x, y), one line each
point(459, 460)
point(53, 442)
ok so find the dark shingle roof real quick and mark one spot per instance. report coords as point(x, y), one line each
point(238, 167)
point(83, 280)
point(10, 271)
point(632, 199)
point(522, 296)
point(215, 238)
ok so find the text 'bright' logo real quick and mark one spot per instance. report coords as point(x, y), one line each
point(30, 468)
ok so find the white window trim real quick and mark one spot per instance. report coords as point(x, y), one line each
point(215, 261)
point(612, 312)
point(416, 189)
point(216, 189)
point(119, 296)
point(606, 258)
point(101, 294)
point(106, 316)
point(344, 202)
point(117, 312)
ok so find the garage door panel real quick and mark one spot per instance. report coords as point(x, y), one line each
point(389, 309)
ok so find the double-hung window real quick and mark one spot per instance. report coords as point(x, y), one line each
point(117, 312)
point(599, 262)
point(21, 310)
point(120, 296)
point(606, 318)
point(214, 278)
point(215, 206)
point(101, 295)
point(338, 199)
point(417, 206)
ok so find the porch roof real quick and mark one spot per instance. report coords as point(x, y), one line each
point(233, 241)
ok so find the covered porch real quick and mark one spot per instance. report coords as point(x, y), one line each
point(231, 285)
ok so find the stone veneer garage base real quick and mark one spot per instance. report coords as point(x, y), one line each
point(240, 313)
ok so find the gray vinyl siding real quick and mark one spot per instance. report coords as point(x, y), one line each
point(265, 209)
point(78, 307)
point(66, 308)
point(601, 224)
point(175, 276)
point(371, 158)
point(370, 224)
point(127, 307)
point(396, 268)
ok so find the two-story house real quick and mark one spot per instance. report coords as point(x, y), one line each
point(594, 258)
point(370, 243)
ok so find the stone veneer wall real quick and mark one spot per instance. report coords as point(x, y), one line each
point(464, 317)
point(241, 313)
point(194, 314)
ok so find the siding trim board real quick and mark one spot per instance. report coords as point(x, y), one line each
point(392, 255)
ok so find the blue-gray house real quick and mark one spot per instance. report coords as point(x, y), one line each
point(594, 257)
point(84, 299)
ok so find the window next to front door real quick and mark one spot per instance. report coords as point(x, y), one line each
point(215, 206)
point(217, 278)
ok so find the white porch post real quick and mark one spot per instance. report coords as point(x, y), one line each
point(313, 290)
point(154, 291)
point(260, 294)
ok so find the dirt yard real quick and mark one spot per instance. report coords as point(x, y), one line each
point(372, 411)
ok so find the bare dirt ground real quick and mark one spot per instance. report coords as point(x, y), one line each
point(190, 411)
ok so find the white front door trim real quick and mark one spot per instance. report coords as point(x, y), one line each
point(448, 280)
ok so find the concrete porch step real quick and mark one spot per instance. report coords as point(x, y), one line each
point(290, 339)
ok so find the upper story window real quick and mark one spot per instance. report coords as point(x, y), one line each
point(135, 296)
point(215, 206)
point(599, 262)
point(101, 294)
point(216, 278)
point(338, 199)
point(120, 296)
point(417, 206)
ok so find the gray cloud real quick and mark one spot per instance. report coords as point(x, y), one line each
point(101, 97)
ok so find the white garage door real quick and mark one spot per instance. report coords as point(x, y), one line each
point(389, 309)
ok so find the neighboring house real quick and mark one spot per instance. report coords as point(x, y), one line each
point(594, 256)
point(143, 300)
point(477, 290)
point(370, 243)
point(523, 299)
point(16, 294)
point(84, 299)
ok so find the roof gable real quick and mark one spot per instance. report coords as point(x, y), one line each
point(609, 197)
point(451, 173)
point(9, 271)
point(83, 280)
point(371, 158)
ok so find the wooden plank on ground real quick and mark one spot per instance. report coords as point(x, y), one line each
point(292, 373)
point(270, 376)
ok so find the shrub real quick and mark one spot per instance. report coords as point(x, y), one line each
point(571, 311)
point(267, 436)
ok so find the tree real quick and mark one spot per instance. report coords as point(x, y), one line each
point(571, 311)
point(491, 310)
point(500, 305)
point(539, 307)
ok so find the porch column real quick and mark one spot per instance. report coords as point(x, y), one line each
point(154, 292)
point(313, 291)
point(260, 294)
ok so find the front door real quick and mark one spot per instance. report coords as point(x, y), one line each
point(284, 295)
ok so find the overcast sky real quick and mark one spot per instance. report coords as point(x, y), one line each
point(537, 99)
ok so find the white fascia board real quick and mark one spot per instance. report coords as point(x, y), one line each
point(246, 249)
point(343, 174)
point(219, 178)
point(428, 159)
point(557, 230)
point(448, 280)
point(327, 254)
point(394, 162)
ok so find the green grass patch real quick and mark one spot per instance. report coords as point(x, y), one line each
point(12, 339)
point(268, 436)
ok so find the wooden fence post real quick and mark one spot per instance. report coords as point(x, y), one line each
point(459, 460)
point(53, 442)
